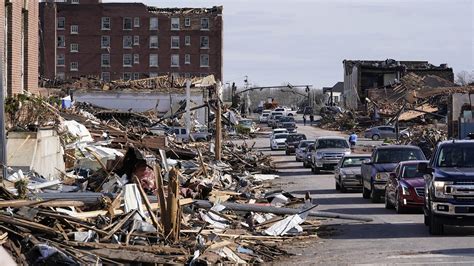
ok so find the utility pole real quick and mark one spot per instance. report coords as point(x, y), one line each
point(218, 137)
point(3, 139)
point(188, 107)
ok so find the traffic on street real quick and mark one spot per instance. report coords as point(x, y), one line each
point(385, 185)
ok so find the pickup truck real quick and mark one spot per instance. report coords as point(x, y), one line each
point(327, 152)
point(285, 111)
point(384, 159)
point(449, 186)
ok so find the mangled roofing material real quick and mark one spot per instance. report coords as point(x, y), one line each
point(186, 10)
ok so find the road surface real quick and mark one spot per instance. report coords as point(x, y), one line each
point(390, 238)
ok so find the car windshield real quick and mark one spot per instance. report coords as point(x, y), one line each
point(295, 138)
point(305, 144)
point(281, 136)
point(354, 161)
point(277, 117)
point(457, 156)
point(398, 155)
point(290, 124)
point(332, 143)
point(410, 171)
point(245, 122)
point(264, 114)
point(287, 119)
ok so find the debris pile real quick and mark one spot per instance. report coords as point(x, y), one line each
point(123, 195)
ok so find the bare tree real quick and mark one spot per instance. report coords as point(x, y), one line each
point(464, 78)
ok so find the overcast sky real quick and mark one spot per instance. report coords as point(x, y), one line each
point(305, 41)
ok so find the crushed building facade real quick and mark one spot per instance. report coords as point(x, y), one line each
point(363, 75)
point(128, 41)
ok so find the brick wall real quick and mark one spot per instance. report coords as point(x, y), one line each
point(2, 36)
point(31, 55)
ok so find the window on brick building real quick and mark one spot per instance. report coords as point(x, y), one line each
point(174, 23)
point(136, 75)
point(187, 75)
point(204, 23)
point(74, 66)
point(136, 58)
point(60, 60)
point(60, 76)
point(187, 59)
point(153, 60)
point(204, 60)
point(175, 42)
point(74, 29)
point(105, 23)
point(105, 60)
point(127, 41)
point(153, 23)
point(153, 74)
point(187, 22)
point(204, 43)
point(127, 23)
point(105, 76)
point(127, 60)
point(187, 40)
point(136, 40)
point(105, 41)
point(75, 2)
point(74, 47)
point(136, 22)
point(61, 41)
point(61, 23)
point(175, 60)
point(127, 76)
point(153, 41)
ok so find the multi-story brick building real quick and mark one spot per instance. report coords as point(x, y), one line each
point(128, 40)
point(19, 47)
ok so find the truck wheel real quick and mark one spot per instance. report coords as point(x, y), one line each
point(338, 187)
point(365, 192)
point(374, 196)
point(436, 227)
point(287, 152)
point(426, 218)
point(316, 170)
point(388, 204)
point(375, 137)
point(290, 114)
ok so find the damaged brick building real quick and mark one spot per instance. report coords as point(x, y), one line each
point(19, 47)
point(362, 75)
point(128, 41)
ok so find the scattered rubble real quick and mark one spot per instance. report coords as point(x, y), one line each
point(124, 195)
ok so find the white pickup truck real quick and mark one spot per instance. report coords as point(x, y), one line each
point(285, 111)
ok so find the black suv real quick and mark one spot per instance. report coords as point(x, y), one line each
point(449, 186)
point(292, 142)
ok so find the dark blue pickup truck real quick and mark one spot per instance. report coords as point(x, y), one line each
point(449, 186)
point(384, 159)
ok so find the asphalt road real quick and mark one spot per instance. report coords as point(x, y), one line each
point(390, 238)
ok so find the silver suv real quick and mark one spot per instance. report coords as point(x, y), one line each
point(327, 152)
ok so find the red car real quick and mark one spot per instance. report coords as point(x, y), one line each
point(405, 187)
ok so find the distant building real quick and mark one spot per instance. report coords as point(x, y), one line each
point(360, 76)
point(19, 47)
point(128, 41)
point(336, 92)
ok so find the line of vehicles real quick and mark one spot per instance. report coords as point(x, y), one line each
point(398, 175)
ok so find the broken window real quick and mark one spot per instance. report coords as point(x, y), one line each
point(187, 59)
point(175, 42)
point(127, 60)
point(127, 41)
point(187, 22)
point(204, 23)
point(127, 23)
point(61, 23)
point(127, 76)
point(175, 60)
point(105, 60)
point(154, 41)
point(174, 23)
point(187, 40)
point(61, 41)
point(60, 60)
point(105, 41)
point(105, 76)
point(204, 42)
point(204, 60)
point(105, 23)
point(153, 23)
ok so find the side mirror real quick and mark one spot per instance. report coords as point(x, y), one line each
point(367, 162)
point(424, 168)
